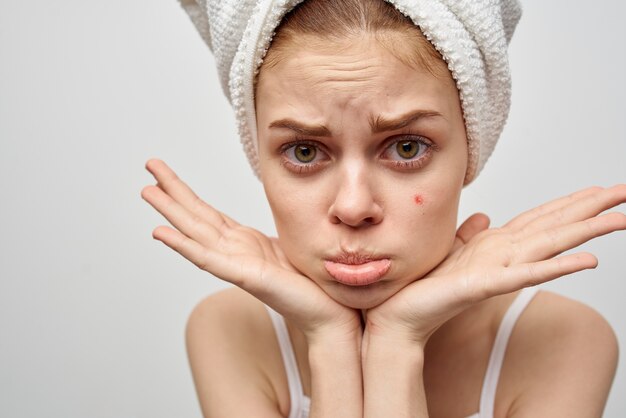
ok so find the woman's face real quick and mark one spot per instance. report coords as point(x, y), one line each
point(362, 159)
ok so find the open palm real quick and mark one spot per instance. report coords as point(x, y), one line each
point(242, 256)
point(489, 262)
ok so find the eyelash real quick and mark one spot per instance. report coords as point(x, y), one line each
point(420, 160)
point(413, 164)
point(301, 168)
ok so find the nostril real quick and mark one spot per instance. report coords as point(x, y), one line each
point(355, 211)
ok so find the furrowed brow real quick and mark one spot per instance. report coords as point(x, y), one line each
point(302, 129)
point(381, 124)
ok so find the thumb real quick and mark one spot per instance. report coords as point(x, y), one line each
point(473, 225)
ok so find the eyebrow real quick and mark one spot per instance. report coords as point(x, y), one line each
point(302, 129)
point(378, 125)
point(381, 124)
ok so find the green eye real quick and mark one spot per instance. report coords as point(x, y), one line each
point(305, 153)
point(407, 149)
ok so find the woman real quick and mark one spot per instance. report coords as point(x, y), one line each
point(363, 133)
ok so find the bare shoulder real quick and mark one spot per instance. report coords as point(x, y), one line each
point(221, 310)
point(233, 356)
point(560, 361)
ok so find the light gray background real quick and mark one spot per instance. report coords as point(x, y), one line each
point(92, 310)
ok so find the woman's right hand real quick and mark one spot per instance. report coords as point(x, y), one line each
point(244, 257)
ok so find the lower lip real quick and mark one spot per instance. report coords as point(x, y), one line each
point(358, 274)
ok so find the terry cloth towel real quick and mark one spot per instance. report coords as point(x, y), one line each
point(471, 35)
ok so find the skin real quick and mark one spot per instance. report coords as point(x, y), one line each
point(444, 287)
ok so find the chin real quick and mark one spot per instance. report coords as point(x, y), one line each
point(361, 297)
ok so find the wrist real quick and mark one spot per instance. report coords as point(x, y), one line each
point(336, 377)
point(328, 353)
point(335, 338)
point(393, 378)
point(392, 350)
point(400, 340)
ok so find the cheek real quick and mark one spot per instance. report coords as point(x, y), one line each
point(297, 224)
point(295, 213)
point(435, 214)
point(285, 209)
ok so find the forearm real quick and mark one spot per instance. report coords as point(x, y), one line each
point(336, 379)
point(393, 380)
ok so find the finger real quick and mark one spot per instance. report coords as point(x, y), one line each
point(189, 224)
point(182, 193)
point(548, 243)
point(188, 248)
point(520, 221)
point(199, 255)
point(578, 210)
point(523, 275)
point(476, 223)
point(278, 288)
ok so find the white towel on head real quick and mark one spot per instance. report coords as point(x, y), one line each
point(471, 35)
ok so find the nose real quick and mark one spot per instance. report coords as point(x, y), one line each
point(355, 202)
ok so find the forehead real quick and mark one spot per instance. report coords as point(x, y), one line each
point(356, 75)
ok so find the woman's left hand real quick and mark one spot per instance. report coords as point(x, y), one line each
point(489, 262)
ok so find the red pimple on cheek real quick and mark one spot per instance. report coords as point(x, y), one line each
point(419, 200)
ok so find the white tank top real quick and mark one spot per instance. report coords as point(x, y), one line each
point(300, 404)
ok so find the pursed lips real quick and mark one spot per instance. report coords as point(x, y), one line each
point(357, 269)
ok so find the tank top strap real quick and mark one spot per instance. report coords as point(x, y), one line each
point(299, 403)
point(490, 383)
